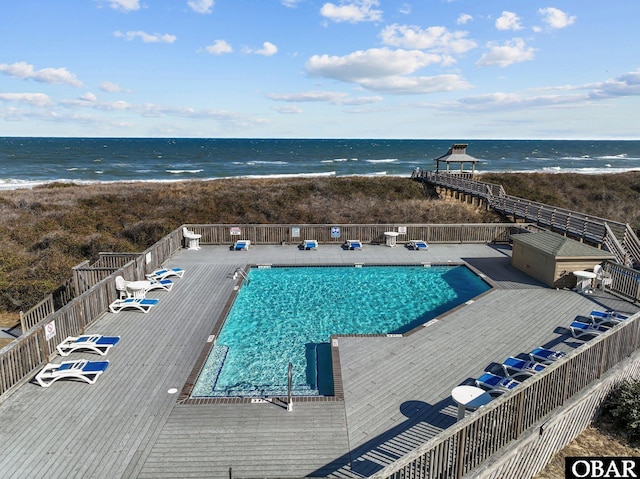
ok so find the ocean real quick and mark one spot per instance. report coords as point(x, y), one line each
point(28, 162)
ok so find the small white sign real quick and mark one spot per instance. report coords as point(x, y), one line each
point(335, 232)
point(402, 230)
point(235, 231)
point(50, 330)
point(295, 232)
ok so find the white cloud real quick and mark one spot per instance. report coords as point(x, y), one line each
point(110, 87)
point(375, 62)
point(268, 49)
point(556, 18)
point(289, 110)
point(290, 3)
point(336, 98)
point(26, 71)
point(201, 6)
point(146, 37)
point(405, 9)
point(625, 85)
point(219, 47)
point(514, 51)
point(382, 69)
point(432, 38)
point(88, 97)
point(353, 12)
point(33, 99)
point(464, 18)
point(413, 85)
point(125, 5)
point(508, 21)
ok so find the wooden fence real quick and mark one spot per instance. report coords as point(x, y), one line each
point(367, 233)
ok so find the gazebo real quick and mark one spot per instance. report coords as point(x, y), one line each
point(457, 155)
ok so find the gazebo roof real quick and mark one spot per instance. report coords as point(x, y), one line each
point(457, 154)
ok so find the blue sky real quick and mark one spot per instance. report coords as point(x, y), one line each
point(565, 69)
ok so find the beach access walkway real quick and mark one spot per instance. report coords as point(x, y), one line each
point(396, 389)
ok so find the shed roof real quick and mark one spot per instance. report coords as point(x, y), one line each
point(560, 246)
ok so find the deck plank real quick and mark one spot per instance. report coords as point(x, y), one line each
point(397, 390)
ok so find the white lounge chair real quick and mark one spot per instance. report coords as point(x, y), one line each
point(418, 245)
point(139, 289)
point(143, 304)
point(164, 273)
point(353, 244)
point(310, 244)
point(606, 317)
point(603, 278)
point(516, 367)
point(192, 238)
point(581, 330)
point(546, 356)
point(241, 245)
point(87, 371)
point(97, 343)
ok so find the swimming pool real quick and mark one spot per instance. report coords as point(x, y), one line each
point(285, 315)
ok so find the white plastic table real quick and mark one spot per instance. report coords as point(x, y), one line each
point(470, 397)
point(584, 281)
point(138, 288)
point(391, 237)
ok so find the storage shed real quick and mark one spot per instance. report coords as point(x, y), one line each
point(552, 258)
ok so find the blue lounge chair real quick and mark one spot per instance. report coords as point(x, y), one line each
point(606, 317)
point(514, 367)
point(242, 245)
point(418, 245)
point(353, 244)
point(310, 244)
point(546, 356)
point(581, 330)
point(97, 343)
point(164, 273)
point(496, 384)
point(87, 371)
point(143, 304)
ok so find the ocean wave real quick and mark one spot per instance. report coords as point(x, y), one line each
point(608, 170)
point(388, 160)
point(338, 160)
point(179, 172)
point(258, 162)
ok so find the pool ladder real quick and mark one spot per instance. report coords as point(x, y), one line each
point(243, 273)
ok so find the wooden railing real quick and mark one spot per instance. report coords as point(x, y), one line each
point(470, 442)
point(619, 237)
point(367, 233)
point(37, 313)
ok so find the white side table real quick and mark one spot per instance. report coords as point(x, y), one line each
point(470, 397)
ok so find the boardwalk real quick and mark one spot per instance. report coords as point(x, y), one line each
point(396, 390)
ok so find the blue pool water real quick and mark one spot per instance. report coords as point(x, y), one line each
point(287, 314)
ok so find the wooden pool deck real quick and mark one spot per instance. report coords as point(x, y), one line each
point(396, 390)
